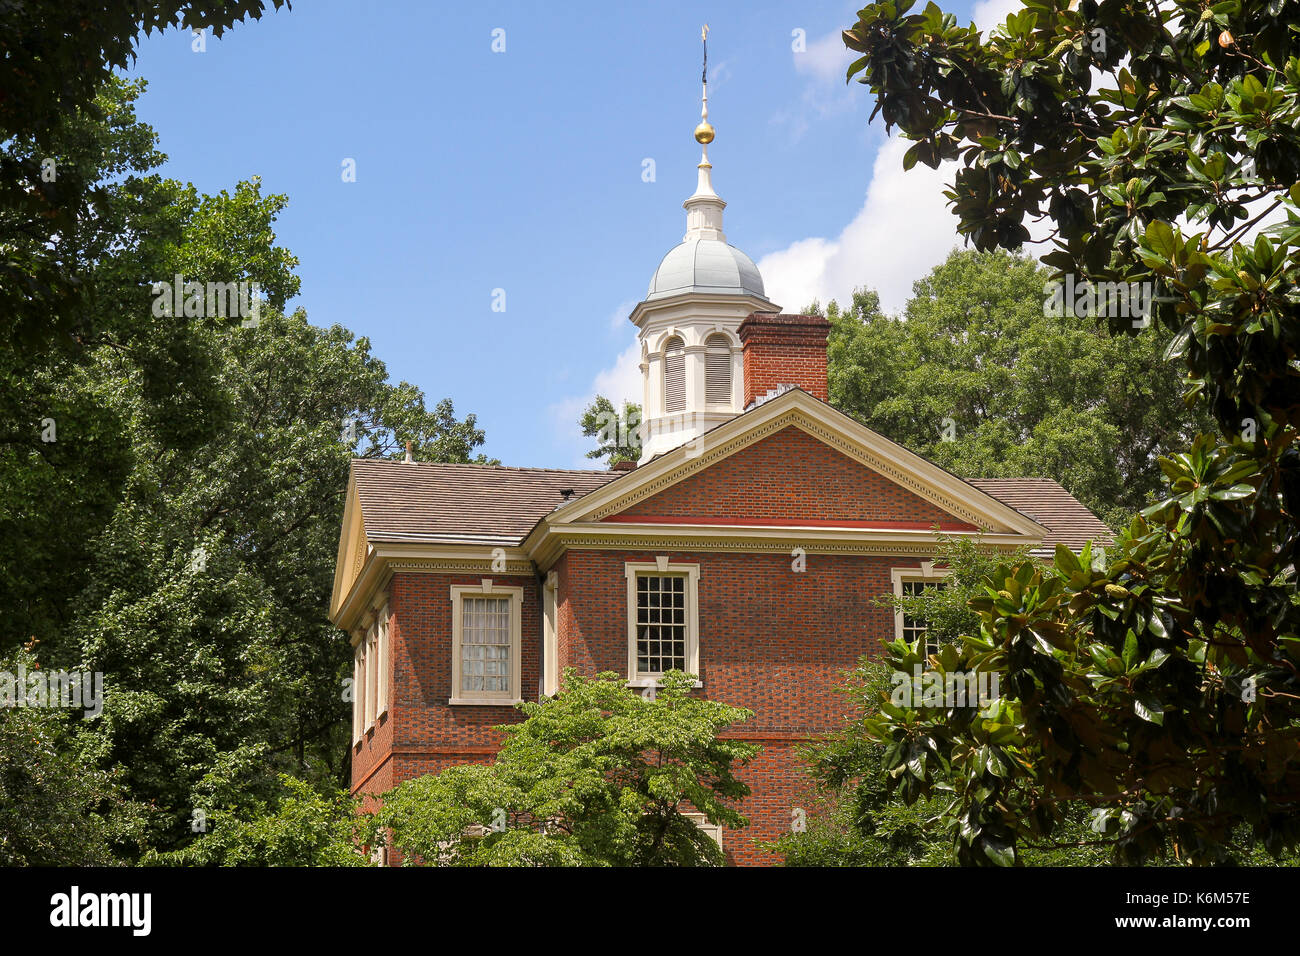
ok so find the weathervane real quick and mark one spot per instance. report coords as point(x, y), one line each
point(704, 132)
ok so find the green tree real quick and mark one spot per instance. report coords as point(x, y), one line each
point(979, 377)
point(57, 58)
point(1159, 683)
point(617, 434)
point(178, 534)
point(54, 810)
point(866, 821)
point(65, 445)
point(206, 598)
point(299, 826)
point(595, 776)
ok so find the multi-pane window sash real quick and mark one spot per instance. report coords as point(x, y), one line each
point(915, 628)
point(660, 623)
point(663, 628)
point(485, 664)
point(486, 639)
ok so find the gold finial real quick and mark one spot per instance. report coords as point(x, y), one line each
point(704, 132)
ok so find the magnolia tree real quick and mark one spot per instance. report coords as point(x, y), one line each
point(1157, 683)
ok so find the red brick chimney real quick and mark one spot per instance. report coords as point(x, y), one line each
point(784, 349)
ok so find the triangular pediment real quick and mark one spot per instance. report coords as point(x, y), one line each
point(797, 462)
point(791, 478)
point(353, 547)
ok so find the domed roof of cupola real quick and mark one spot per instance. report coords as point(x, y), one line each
point(705, 265)
point(704, 261)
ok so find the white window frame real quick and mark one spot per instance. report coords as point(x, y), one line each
point(662, 566)
point(927, 573)
point(358, 690)
point(551, 635)
point(713, 830)
point(385, 659)
point(487, 589)
point(371, 640)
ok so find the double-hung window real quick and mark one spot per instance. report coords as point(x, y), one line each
point(663, 620)
point(914, 582)
point(370, 666)
point(485, 624)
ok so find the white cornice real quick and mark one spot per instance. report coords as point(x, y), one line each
point(698, 309)
point(386, 559)
point(601, 535)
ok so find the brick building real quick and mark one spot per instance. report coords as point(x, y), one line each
point(746, 546)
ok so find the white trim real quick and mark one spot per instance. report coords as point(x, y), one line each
point(385, 663)
point(551, 635)
point(661, 565)
point(714, 830)
point(358, 691)
point(372, 674)
point(629, 536)
point(462, 557)
point(487, 589)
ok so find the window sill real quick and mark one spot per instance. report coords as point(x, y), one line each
point(484, 702)
point(656, 682)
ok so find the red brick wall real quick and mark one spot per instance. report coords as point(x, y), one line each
point(423, 733)
point(771, 639)
point(784, 350)
point(791, 476)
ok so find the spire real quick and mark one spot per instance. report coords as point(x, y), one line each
point(704, 208)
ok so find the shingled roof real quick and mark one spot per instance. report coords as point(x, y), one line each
point(1042, 499)
point(492, 504)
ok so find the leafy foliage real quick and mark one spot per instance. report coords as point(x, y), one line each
point(301, 827)
point(595, 776)
point(179, 534)
point(57, 58)
point(54, 810)
point(867, 820)
point(979, 377)
point(1158, 684)
point(616, 433)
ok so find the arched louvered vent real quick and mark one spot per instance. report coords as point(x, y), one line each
point(717, 371)
point(674, 375)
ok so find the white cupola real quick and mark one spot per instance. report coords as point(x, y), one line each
point(692, 367)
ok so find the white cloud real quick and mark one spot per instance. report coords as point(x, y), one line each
point(993, 13)
point(903, 229)
point(618, 318)
point(620, 382)
point(823, 63)
point(826, 59)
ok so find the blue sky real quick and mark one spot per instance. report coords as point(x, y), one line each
point(522, 170)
